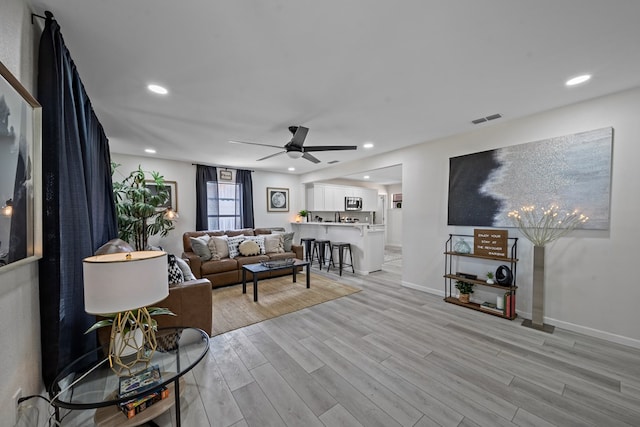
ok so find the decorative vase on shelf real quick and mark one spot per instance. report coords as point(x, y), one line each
point(462, 247)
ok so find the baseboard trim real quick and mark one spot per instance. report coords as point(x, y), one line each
point(596, 333)
point(422, 288)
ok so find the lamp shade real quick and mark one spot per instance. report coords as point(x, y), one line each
point(124, 281)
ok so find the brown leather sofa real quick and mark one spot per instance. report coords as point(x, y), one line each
point(190, 301)
point(228, 271)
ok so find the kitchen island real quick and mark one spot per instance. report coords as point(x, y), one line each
point(367, 240)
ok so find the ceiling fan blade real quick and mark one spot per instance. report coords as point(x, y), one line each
point(299, 137)
point(271, 155)
point(331, 147)
point(310, 158)
point(255, 143)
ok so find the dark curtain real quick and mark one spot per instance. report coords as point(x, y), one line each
point(204, 175)
point(78, 206)
point(243, 178)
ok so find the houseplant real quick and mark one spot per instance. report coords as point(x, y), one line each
point(139, 211)
point(490, 278)
point(465, 288)
point(108, 319)
point(304, 213)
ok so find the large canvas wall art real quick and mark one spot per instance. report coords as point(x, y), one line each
point(572, 172)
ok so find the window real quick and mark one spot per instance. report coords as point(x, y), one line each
point(223, 206)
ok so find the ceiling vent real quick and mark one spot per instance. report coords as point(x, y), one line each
point(485, 119)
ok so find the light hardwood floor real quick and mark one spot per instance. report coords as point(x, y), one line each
point(392, 356)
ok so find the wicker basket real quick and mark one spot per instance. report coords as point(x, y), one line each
point(464, 298)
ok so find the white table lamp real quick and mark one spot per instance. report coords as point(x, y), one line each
point(122, 285)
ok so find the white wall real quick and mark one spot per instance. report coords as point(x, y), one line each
point(185, 176)
point(588, 285)
point(19, 300)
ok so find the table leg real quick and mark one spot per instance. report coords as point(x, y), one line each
point(308, 277)
point(255, 287)
point(177, 404)
point(244, 281)
point(295, 273)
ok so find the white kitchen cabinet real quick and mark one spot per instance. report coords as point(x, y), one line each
point(315, 198)
point(369, 199)
point(330, 198)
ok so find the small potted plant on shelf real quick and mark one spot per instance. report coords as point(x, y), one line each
point(304, 214)
point(490, 278)
point(465, 289)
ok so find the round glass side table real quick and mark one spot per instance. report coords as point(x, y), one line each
point(90, 383)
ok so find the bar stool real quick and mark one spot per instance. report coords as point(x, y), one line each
point(320, 251)
point(307, 241)
point(342, 248)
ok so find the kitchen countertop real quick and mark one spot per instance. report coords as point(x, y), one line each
point(367, 240)
point(337, 223)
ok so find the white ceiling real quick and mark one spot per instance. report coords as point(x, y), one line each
point(395, 73)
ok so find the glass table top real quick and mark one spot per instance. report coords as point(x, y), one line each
point(89, 382)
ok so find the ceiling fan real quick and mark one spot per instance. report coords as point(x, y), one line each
point(296, 149)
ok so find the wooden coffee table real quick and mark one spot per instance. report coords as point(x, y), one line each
point(260, 268)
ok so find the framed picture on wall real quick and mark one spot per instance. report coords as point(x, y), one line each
point(172, 188)
point(277, 199)
point(20, 174)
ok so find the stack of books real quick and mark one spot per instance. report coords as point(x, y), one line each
point(492, 307)
point(149, 379)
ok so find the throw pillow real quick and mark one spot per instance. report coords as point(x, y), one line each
point(273, 243)
point(219, 247)
point(186, 270)
point(288, 240)
point(233, 243)
point(175, 274)
point(200, 248)
point(260, 241)
point(249, 248)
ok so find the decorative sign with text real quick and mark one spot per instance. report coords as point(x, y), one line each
point(492, 243)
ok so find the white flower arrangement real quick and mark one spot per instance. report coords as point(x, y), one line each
point(544, 225)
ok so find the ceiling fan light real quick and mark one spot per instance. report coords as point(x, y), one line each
point(295, 154)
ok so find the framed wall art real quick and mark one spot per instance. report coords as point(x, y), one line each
point(277, 199)
point(172, 188)
point(20, 174)
point(570, 171)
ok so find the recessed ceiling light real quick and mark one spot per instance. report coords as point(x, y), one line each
point(578, 79)
point(158, 89)
point(368, 145)
point(292, 169)
point(150, 150)
point(366, 177)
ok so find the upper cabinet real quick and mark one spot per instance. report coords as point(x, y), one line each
point(330, 197)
